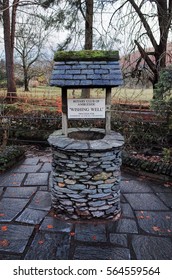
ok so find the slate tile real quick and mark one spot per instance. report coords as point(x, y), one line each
point(126, 210)
point(32, 216)
point(145, 201)
point(49, 246)
point(31, 160)
point(10, 257)
point(12, 180)
point(160, 188)
point(158, 223)
point(126, 226)
point(36, 179)
point(11, 207)
point(152, 248)
point(55, 225)
point(119, 239)
point(24, 168)
point(47, 167)
point(130, 186)
point(14, 237)
point(19, 192)
point(41, 201)
point(90, 232)
point(166, 198)
point(104, 253)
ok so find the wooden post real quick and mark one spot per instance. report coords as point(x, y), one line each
point(108, 111)
point(64, 112)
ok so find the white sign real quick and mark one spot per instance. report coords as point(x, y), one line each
point(86, 108)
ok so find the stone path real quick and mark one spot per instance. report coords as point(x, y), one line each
point(29, 229)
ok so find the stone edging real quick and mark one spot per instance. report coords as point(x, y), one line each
point(155, 168)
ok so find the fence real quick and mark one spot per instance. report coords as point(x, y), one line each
point(33, 116)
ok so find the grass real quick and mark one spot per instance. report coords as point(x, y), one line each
point(49, 95)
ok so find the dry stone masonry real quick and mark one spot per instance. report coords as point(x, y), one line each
point(86, 174)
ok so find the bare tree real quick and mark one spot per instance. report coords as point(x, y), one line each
point(30, 42)
point(150, 24)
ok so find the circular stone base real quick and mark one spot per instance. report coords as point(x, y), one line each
point(86, 173)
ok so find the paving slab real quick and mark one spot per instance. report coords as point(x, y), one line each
point(119, 239)
point(126, 226)
point(1, 191)
point(49, 246)
point(19, 192)
point(126, 210)
point(32, 216)
point(11, 207)
point(158, 223)
point(55, 225)
point(41, 201)
point(36, 179)
point(47, 167)
point(130, 186)
point(166, 198)
point(101, 253)
point(145, 201)
point(14, 238)
point(10, 257)
point(26, 168)
point(152, 248)
point(31, 161)
point(90, 232)
point(11, 180)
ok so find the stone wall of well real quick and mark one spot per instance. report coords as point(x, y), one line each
point(86, 176)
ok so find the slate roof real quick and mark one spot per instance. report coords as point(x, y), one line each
point(82, 74)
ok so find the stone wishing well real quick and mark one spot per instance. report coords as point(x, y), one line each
point(86, 161)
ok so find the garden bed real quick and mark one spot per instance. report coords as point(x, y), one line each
point(10, 156)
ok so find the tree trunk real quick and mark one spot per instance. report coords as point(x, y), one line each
point(9, 51)
point(88, 37)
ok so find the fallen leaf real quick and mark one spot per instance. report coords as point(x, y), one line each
point(94, 237)
point(4, 243)
point(40, 242)
point(168, 230)
point(155, 228)
point(167, 217)
point(4, 228)
point(49, 226)
point(2, 214)
point(72, 233)
point(140, 217)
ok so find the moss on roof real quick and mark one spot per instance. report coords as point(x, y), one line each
point(86, 55)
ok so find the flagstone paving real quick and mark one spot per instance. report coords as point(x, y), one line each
point(31, 230)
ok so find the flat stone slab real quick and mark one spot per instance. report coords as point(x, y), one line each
point(47, 167)
point(90, 232)
point(1, 191)
point(10, 257)
point(119, 239)
point(31, 216)
point(36, 179)
point(31, 161)
point(14, 238)
point(104, 253)
point(161, 188)
point(49, 246)
point(159, 223)
point(41, 201)
point(26, 168)
point(152, 248)
point(166, 198)
point(55, 225)
point(11, 180)
point(130, 186)
point(126, 226)
point(126, 210)
point(11, 207)
point(21, 192)
point(145, 201)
